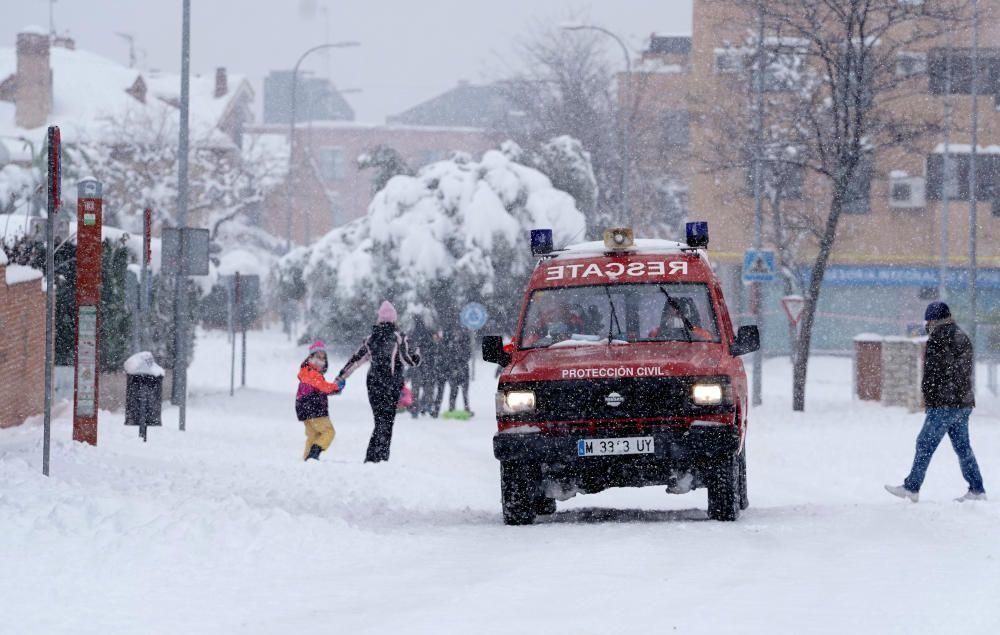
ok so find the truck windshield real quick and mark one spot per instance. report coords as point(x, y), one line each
point(620, 312)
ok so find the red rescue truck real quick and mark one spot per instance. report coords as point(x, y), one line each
point(624, 371)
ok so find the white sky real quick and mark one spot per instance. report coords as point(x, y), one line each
point(411, 49)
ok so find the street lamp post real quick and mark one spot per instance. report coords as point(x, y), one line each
point(291, 133)
point(626, 212)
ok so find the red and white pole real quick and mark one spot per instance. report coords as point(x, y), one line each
point(88, 310)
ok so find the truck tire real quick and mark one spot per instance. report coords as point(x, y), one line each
point(744, 496)
point(724, 488)
point(519, 492)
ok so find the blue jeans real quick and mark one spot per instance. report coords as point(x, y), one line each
point(955, 423)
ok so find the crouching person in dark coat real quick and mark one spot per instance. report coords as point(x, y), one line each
point(389, 352)
point(949, 399)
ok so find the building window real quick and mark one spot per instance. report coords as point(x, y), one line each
point(337, 215)
point(781, 180)
point(730, 61)
point(960, 61)
point(957, 178)
point(676, 128)
point(857, 197)
point(332, 163)
point(909, 64)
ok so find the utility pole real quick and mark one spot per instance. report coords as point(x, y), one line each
point(291, 135)
point(758, 197)
point(180, 288)
point(946, 171)
point(54, 193)
point(973, 184)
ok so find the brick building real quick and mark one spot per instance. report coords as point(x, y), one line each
point(888, 251)
point(326, 189)
point(22, 343)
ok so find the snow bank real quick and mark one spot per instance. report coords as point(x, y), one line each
point(17, 274)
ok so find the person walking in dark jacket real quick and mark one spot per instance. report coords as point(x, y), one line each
point(949, 399)
point(389, 352)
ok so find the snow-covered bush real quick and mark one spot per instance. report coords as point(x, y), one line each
point(454, 233)
point(16, 186)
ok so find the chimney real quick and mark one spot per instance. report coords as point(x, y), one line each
point(221, 82)
point(33, 91)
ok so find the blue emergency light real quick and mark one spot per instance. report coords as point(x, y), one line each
point(541, 242)
point(697, 234)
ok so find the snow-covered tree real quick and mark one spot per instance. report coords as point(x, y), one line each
point(136, 159)
point(16, 187)
point(562, 83)
point(453, 233)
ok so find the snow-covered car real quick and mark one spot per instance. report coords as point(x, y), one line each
point(624, 371)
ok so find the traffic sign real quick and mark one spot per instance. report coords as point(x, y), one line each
point(794, 305)
point(193, 259)
point(758, 265)
point(474, 316)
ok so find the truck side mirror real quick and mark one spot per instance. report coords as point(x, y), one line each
point(747, 341)
point(493, 350)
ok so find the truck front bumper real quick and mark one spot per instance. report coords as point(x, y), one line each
point(677, 446)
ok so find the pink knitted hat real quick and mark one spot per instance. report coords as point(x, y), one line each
point(319, 346)
point(387, 313)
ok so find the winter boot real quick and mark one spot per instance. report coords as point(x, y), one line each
point(902, 492)
point(971, 496)
point(314, 452)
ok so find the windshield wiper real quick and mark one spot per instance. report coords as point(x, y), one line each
point(688, 327)
point(613, 321)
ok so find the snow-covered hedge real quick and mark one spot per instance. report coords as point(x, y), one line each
point(455, 232)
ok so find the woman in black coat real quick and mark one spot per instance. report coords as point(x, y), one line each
point(389, 352)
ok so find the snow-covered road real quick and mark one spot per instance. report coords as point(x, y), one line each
point(223, 528)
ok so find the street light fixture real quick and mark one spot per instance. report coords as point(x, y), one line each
point(291, 131)
point(626, 212)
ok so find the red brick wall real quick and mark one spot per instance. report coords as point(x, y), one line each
point(22, 350)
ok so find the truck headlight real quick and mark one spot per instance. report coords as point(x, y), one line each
point(707, 394)
point(518, 401)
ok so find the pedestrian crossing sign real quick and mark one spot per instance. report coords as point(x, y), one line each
point(758, 265)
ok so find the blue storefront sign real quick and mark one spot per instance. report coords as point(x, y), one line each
point(889, 276)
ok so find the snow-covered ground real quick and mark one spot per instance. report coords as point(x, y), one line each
point(223, 529)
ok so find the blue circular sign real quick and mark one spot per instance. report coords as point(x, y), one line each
point(474, 316)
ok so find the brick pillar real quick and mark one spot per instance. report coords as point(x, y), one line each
point(902, 366)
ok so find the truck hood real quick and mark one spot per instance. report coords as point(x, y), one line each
point(660, 359)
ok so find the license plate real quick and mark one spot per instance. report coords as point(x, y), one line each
point(607, 447)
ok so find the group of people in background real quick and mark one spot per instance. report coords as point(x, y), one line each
point(446, 355)
point(429, 360)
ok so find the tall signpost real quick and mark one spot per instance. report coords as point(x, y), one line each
point(55, 189)
point(180, 282)
point(974, 191)
point(88, 310)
